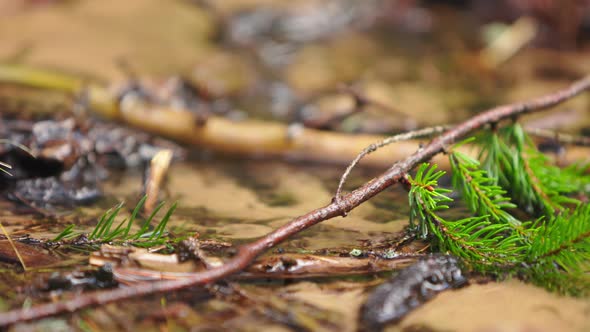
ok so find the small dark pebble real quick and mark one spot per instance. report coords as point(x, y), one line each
point(187, 249)
point(101, 278)
point(409, 289)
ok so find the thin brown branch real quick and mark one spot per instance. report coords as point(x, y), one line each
point(562, 138)
point(249, 252)
point(249, 138)
point(389, 140)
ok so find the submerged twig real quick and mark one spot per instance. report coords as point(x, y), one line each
point(249, 252)
point(288, 266)
point(248, 137)
point(20, 259)
point(155, 178)
point(291, 266)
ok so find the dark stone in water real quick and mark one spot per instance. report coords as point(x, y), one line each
point(409, 289)
point(44, 192)
point(69, 159)
point(101, 278)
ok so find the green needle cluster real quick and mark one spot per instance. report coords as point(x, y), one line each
point(552, 251)
point(105, 232)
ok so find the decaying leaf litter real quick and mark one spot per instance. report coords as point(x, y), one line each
point(228, 201)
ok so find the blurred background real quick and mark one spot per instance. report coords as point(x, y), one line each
point(433, 62)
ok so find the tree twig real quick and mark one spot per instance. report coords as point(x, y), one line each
point(250, 138)
point(249, 252)
point(389, 140)
point(287, 266)
point(430, 131)
point(559, 137)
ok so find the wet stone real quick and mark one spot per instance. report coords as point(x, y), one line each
point(409, 289)
point(52, 192)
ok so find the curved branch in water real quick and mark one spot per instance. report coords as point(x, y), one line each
point(246, 138)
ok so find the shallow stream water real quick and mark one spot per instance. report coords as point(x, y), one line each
point(269, 75)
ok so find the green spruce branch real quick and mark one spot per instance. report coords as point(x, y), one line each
point(559, 257)
point(534, 183)
point(553, 251)
point(105, 231)
point(480, 192)
point(565, 241)
point(481, 241)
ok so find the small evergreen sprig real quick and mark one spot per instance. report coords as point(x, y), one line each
point(554, 253)
point(535, 185)
point(480, 241)
point(104, 232)
point(480, 192)
point(558, 183)
point(559, 257)
point(565, 241)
